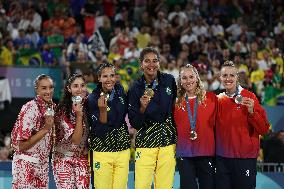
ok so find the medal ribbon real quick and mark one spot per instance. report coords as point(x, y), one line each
point(192, 119)
point(155, 83)
point(111, 95)
point(235, 93)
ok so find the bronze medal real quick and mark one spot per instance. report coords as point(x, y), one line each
point(193, 135)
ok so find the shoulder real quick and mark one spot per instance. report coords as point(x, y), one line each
point(167, 80)
point(210, 94)
point(30, 105)
point(248, 93)
point(135, 85)
point(221, 96)
point(119, 89)
point(166, 77)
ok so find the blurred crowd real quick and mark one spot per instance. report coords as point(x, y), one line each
point(79, 35)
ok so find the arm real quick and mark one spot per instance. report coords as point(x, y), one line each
point(136, 117)
point(256, 115)
point(102, 104)
point(78, 131)
point(31, 141)
point(98, 128)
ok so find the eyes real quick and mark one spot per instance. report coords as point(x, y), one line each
point(187, 77)
point(228, 75)
point(148, 61)
point(51, 87)
point(78, 85)
point(106, 76)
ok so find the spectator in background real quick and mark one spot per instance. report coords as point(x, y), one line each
point(143, 37)
point(161, 23)
point(42, 11)
point(28, 56)
point(217, 28)
point(21, 40)
point(47, 56)
point(31, 137)
point(55, 42)
point(132, 52)
point(75, 47)
point(31, 19)
point(235, 29)
point(172, 68)
point(106, 31)
point(7, 52)
point(200, 28)
point(90, 12)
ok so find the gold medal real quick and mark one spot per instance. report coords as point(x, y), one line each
point(106, 96)
point(149, 92)
point(193, 135)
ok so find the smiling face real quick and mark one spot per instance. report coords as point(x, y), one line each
point(78, 87)
point(45, 89)
point(150, 65)
point(188, 80)
point(229, 78)
point(107, 78)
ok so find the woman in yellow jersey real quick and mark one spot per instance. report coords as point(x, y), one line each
point(151, 100)
point(109, 137)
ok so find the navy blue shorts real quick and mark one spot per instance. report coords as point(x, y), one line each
point(196, 172)
point(235, 173)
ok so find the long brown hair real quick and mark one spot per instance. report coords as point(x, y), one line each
point(199, 91)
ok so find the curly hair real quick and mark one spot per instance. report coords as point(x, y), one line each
point(199, 91)
point(65, 104)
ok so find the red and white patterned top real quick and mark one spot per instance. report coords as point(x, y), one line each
point(30, 121)
point(65, 129)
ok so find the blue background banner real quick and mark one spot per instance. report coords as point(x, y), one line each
point(21, 80)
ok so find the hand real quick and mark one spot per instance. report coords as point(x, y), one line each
point(78, 108)
point(102, 103)
point(144, 101)
point(48, 122)
point(249, 103)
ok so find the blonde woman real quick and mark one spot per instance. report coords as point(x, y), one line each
point(194, 115)
point(240, 121)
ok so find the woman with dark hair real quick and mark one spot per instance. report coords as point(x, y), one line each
point(151, 101)
point(240, 122)
point(70, 153)
point(195, 115)
point(31, 138)
point(109, 137)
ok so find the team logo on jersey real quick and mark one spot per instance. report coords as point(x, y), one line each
point(121, 100)
point(137, 155)
point(97, 165)
point(168, 91)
